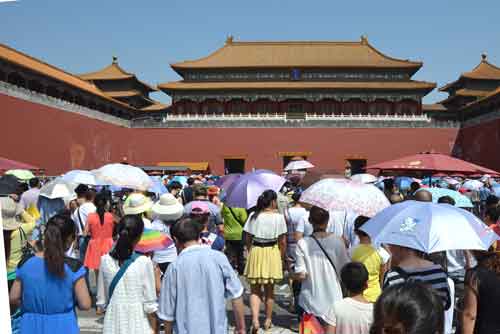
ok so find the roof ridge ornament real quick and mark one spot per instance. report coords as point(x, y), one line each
point(229, 39)
point(364, 39)
point(484, 56)
point(115, 60)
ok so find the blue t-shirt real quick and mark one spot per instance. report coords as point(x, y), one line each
point(48, 302)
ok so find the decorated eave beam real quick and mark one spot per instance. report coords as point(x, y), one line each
point(310, 97)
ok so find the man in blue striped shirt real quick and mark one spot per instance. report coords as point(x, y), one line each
point(195, 287)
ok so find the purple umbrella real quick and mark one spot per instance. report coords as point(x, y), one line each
point(245, 191)
point(227, 180)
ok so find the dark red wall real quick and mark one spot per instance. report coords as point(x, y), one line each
point(480, 144)
point(58, 141)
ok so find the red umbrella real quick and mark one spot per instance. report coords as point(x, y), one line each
point(431, 162)
point(7, 164)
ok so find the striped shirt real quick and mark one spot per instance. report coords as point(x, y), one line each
point(433, 276)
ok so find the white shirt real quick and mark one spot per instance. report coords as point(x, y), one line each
point(267, 226)
point(168, 254)
point(321, 287)
point(83, 210)
point(336, 224)
point(147, 223)
point(350, 316)
point(448, 314)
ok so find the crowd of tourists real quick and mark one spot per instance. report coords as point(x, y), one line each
point(83, 252)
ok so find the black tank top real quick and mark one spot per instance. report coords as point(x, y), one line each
point(488, 305)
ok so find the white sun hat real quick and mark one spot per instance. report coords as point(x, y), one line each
point(136, 204)
point(168, 208)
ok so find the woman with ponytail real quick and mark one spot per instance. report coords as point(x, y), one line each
point(266, 242)
point(99, 227)
point(126, 283)
point(49, 285)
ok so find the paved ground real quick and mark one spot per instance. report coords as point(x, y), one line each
point(282, 319)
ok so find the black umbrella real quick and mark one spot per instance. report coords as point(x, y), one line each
point(9, 184)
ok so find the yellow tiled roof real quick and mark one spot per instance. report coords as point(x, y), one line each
point(16, 57)
point(296, 54)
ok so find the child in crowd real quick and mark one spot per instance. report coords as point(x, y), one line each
point(354, 314)
point(201, 212)
point(411, 307)
point(375, 260)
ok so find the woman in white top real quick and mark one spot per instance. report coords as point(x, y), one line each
point(320, 278)
point(132, 306)
point(266, 241)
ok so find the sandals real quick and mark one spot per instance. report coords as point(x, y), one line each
point(254, 330)
point(268, 325)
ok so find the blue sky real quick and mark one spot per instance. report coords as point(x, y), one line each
point(147, 35)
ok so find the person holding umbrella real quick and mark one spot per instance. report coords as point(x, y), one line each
point(266, 242)
point(410, 263)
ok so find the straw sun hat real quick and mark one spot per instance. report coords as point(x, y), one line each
point(10, 212)
point(136, 204)
point(168, 208)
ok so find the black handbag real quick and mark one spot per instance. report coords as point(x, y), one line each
point(27, 250)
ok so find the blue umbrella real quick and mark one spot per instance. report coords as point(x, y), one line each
point(433, 180)
point(429, 227)
point(403, 182)
point(181, 179)
point(461, 201)
point(496, 189)
point(158, 186)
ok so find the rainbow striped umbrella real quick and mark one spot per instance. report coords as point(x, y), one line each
point(152, 240)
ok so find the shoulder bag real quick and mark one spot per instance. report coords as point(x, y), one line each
point(344, 291)
point(120, 274)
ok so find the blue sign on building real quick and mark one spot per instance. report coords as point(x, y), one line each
point(295, 74)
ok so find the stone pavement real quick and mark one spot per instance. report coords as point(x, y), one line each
point(282, 319)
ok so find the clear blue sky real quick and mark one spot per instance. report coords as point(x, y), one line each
point(147, 35)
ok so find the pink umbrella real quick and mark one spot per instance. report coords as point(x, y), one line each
point(6, 164)
point(338, 194)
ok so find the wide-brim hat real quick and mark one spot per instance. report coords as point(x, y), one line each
point(10, 214)
point(168, 208)
point(136, 204)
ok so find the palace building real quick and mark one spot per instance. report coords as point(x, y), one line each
point(247, 105)
point(294, 79)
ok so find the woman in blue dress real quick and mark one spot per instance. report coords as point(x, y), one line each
point(48, 285)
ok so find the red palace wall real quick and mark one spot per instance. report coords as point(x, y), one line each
point(58, 141)
point(480, 144)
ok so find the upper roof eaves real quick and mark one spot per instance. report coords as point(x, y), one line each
point(301, 54)
point(114, 72)
point(483, 71)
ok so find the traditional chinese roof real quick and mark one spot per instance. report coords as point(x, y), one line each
point(114, 72)
point(123, 93)
point(484, 71)
point(467, 93)
point(30, 63)
point(286, 85)
point(157, 106)
point(435, 107)
point(484, 100)
point(297, 55)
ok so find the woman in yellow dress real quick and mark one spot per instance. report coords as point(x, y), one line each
point(266, 242)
